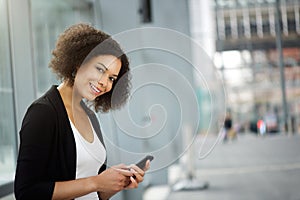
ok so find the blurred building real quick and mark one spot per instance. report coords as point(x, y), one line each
point(248, 58)
point(238, 37)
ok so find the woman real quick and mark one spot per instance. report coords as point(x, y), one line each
point(62, 154)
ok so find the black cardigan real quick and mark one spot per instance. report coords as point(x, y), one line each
point(47, 150)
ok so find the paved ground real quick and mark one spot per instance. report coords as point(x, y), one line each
point(250, 168)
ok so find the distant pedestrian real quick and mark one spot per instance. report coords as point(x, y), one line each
point(261, 127)
point(227, 126)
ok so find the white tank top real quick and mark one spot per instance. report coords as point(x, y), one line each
point(90, 157)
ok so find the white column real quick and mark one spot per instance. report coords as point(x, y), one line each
point(259, 21)
point(233, 24)
point(21, 51)
point(221, 24)
point(203, 29)
point(246, 22)
point(284, 18)
point(272, 20)
point(297, 20)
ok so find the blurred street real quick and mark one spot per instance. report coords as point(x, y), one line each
point(252, 167)
point(230, 66)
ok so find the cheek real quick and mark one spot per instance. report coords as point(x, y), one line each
point(109, 87)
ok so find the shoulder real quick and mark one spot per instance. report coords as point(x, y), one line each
point(41, 108)
point(38, 123)
point(46, 106)
point(40, 115)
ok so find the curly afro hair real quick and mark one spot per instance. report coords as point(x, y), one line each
point(80, 43)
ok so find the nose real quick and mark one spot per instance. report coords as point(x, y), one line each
point(103, 80)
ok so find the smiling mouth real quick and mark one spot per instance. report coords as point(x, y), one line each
point(95, 89)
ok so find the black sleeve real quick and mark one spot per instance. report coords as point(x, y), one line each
point(36, 142)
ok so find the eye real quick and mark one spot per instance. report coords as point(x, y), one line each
point(100, 69)
point(112, 79)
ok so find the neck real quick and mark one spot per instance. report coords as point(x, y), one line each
point(68, 95)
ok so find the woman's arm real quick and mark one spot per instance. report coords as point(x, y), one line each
point(107, 184)
point(36, 138)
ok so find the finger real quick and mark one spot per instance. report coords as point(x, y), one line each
point(147, 166)
point(120, 166)
point(137, 170)
point(133, 184)
point(138, 178)
point(127, 182)
point(125, 172)
point(133, 181)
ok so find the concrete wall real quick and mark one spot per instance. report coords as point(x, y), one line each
point(161, 70)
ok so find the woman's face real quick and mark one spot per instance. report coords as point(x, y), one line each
point(97, 76)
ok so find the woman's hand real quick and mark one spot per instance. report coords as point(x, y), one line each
point(120, 177)
point(108, 183)
point(138, 175)
point(114, 179)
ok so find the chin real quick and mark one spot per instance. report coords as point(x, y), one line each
point(90, 98)
point(93, 97)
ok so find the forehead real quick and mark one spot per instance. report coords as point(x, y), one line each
point(109, 61)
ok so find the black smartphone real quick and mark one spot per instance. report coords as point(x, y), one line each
point(141, 164)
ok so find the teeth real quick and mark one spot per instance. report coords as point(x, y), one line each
point(94, 88)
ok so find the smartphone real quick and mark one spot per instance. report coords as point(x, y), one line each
point(141, 164)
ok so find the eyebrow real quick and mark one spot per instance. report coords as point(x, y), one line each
point(115, 75)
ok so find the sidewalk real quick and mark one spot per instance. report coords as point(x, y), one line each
point(251, 167)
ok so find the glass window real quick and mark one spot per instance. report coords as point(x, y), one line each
point(7, 118)
point(49, 19)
